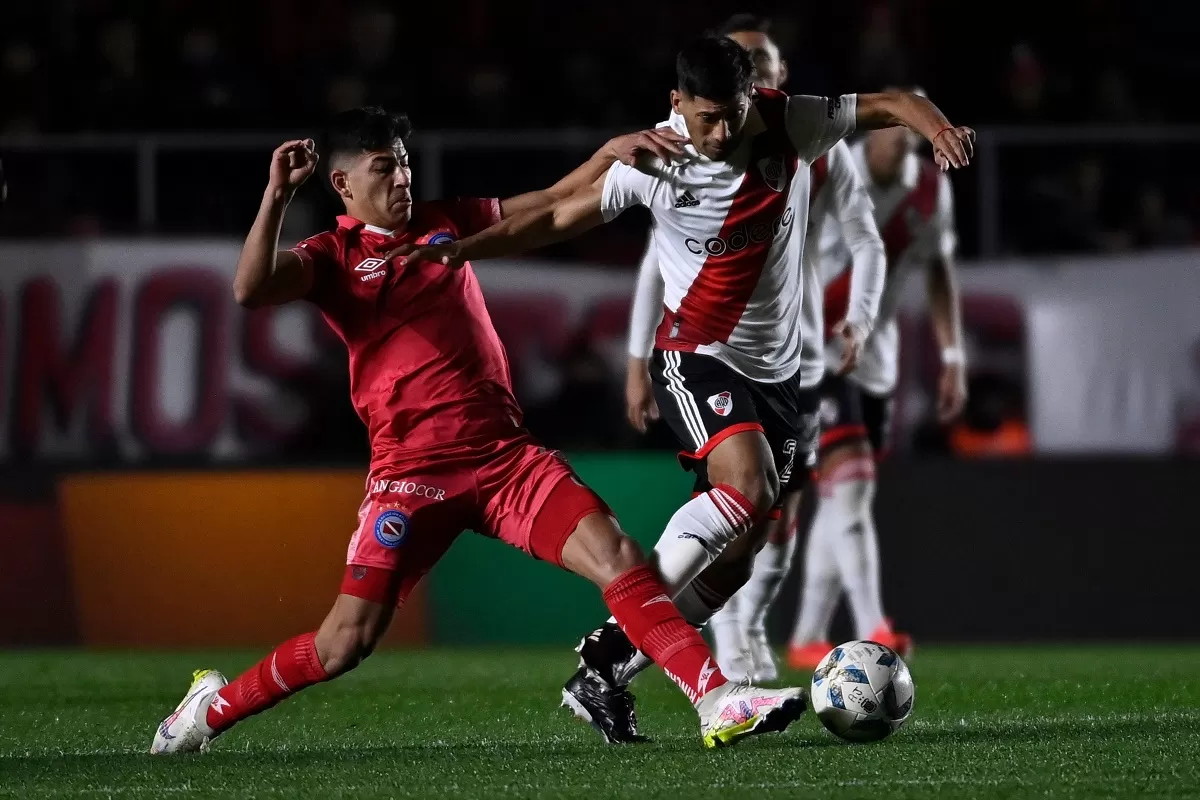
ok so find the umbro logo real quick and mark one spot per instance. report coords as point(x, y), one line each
point(370, 265)
point(373, 267)
point(686, 200)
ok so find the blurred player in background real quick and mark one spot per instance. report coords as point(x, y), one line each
point(729, 232)
point(430, 380)
point(739, 627)
point(914, 209)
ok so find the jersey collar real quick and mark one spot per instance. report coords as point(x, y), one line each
point(350, 223)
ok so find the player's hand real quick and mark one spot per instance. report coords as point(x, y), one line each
point(292, 163)
point(446, 254)
point(952, 392)
point(640, 407)
point(853, 337)
point(662, 142)
point(953, 147)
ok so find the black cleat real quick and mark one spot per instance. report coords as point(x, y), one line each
point(607, 709)
point(608, 653)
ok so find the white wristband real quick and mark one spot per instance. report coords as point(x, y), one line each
point(953, 355)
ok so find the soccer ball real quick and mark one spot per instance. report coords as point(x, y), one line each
point(862, 691)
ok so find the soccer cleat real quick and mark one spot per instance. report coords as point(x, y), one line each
point(608, 652)
point(607, 709)
point(733, 711)
point(885, 635)
point(807, 657)
point(762, 658)
point(186, 731)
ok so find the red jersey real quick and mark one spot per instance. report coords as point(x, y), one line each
point(428, 374)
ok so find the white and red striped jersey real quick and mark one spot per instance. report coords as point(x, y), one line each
point(729, 235)
point(838, 197)
point(916, 220)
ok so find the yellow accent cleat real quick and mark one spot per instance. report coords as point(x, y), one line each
point(734, 711)
point(186, 730)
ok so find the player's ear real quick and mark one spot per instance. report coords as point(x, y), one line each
point(783, 72)
point(337, 179)
point(676, 100)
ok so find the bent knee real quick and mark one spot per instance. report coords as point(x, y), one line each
point(760, 487)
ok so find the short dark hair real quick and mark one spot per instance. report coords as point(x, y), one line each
point(714, 67)
point(741, 23)
point(361, 130)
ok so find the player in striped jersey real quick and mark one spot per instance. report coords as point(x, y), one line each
point(838, 194)
point(730, 223)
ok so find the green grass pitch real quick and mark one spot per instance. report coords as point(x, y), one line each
point(1079, 722)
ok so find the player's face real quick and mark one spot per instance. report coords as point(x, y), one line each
point(377, 187)
point(714, 128)
point(770, 71)
point(885, 151)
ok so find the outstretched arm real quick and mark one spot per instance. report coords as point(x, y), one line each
point(662, 143)
point(617, 189)
point(817, 123)
point(561, 219)
point(952, 146)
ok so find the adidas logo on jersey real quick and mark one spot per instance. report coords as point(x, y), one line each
point(686, 200)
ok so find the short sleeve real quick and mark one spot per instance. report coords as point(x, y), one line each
point(947, 236)
point(624, 187)
point(816, 124)
point(474, 214)
point(320, 254)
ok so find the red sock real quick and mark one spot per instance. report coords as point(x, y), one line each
point(286, 670)
point(641, 606)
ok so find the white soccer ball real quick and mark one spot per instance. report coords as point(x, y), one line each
point(862, 691)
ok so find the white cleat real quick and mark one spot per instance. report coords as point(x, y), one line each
point(761, 657)
point(186, 731)
point(734, 711)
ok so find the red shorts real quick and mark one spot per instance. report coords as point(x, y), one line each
point(515, 491)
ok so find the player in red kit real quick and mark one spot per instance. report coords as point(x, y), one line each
point(430, 380)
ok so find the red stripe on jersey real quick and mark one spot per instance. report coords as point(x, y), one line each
point(717, 298)
point(912, 213)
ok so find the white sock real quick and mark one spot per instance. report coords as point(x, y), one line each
point(697, 533)
point(726, 630)
point(849, 493)
point(822, 586)
point(771, 566)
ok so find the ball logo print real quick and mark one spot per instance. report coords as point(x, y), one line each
point(391, 528)
point(441, 237)
point(862, 691)
point(721, 404)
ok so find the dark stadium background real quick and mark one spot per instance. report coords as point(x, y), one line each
point(134, 138)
